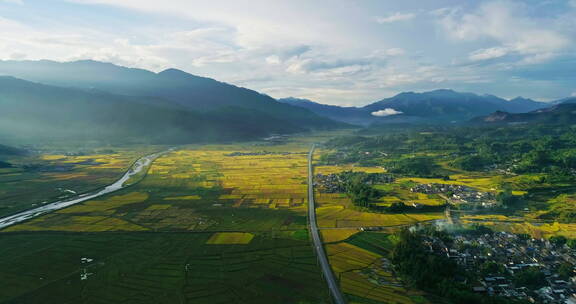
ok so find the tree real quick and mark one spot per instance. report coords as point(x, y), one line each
point(491, 268)
point(566, 270)
point(558, 240)
point(530, 277)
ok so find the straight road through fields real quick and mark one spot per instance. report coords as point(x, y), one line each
point(320, 252)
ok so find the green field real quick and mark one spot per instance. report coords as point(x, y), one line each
point(157, 268)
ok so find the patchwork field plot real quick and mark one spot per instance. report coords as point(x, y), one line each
point(228, 238)
point(222, 224)
point(335, 210)
point(364, 274)
point(233, 188)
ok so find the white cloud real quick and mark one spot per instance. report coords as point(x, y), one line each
point(386, 112)
point(395, 18)
point(573, 94)
point(489, 53)
point(13, 1)
point(346, 57)
point(572, 3)
point(508, 23)
point(273, 59)
point(395, 52)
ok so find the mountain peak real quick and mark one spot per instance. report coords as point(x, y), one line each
point(173, 72)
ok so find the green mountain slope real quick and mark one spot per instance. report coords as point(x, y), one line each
point(175, 87)
point(31, 112)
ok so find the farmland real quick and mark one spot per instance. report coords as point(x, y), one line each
point(157, 268)
point(207, 224)
point(365, 274)
point(336, 210)
point(197, 189)
point(358, 258)
point(58, 176)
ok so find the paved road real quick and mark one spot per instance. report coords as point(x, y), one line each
point(138, 166)
point(326, 270)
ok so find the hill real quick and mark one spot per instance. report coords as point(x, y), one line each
point(564, 113)
point(32, 112)
point(11, 151)
point(176, 88)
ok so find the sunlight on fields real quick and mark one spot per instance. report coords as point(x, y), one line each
point(357, 269)
point(230, 238)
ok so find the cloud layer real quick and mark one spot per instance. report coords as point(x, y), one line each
point(332, 51)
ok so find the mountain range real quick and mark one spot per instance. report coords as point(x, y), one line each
point(435, 106)
point(91, 100)
point(95, 100)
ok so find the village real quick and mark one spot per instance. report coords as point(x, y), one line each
point(458, 194)
point(335, 182)
point(512, 266)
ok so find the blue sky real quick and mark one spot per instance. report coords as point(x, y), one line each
point(345, 52)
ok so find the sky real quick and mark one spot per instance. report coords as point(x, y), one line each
point(341, 52)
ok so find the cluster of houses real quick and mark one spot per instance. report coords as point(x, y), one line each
point(512, 254)
point(458, 194)
point(329, 183)
point(334, 183)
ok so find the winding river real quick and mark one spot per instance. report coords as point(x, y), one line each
point(136, 168)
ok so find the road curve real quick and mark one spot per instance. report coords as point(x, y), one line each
point(138, 166)
point(317, 242)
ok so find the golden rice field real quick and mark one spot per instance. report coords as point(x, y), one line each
point(230, 238)
point(337, 235)
point(536, 230)
point(251, 181)
point(360, 274)
point(198, 189)
point(482, 182)
point(338, 216)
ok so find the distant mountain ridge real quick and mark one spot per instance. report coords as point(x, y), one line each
point(557, 114)
point(174, 86)
point(39, 112)
point(171, 92)
point(441, 105)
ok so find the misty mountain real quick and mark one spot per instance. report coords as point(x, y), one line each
point(565, 100)
point(11, 151)
point(176, 88)
point(31, 111)
point(557, 114)
point(410, 107)
point(350, 115)
point(451, 105)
